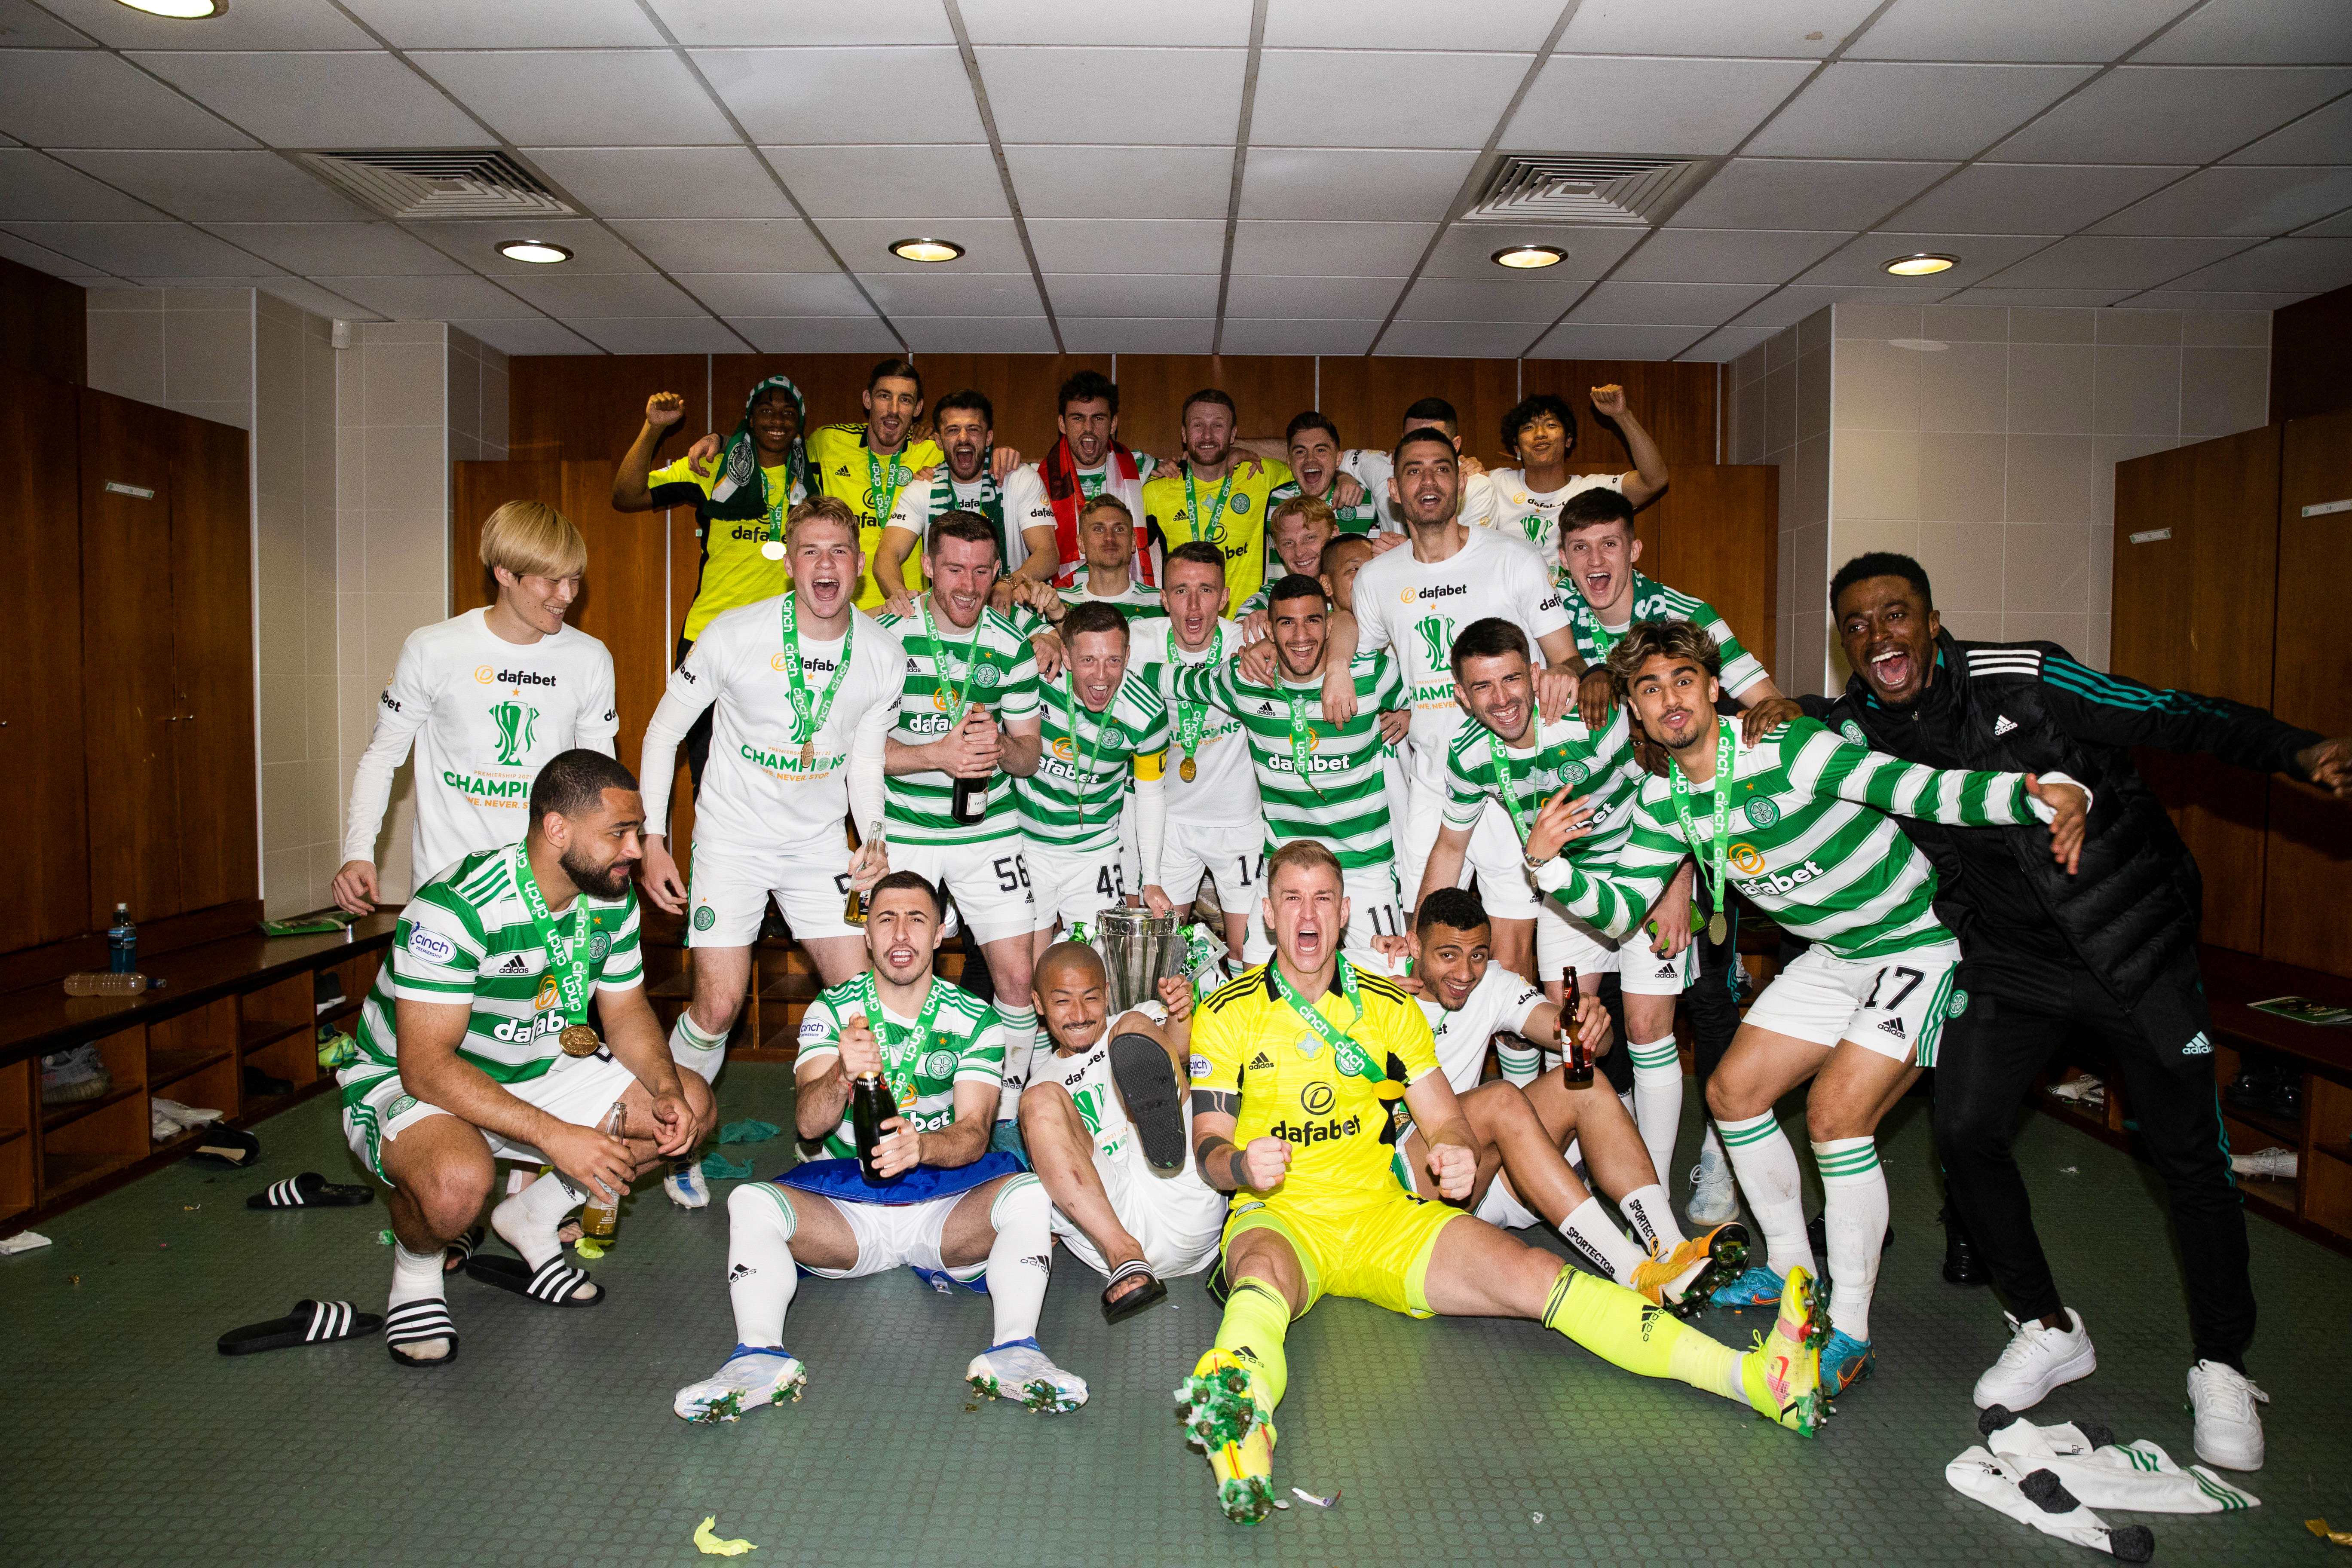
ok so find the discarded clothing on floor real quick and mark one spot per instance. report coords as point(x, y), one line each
point(747, 1132)
point(2138, 1477)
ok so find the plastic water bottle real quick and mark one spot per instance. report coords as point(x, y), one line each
point(122, 942)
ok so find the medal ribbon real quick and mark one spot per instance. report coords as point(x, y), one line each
point(960, 695)
point(810, 714)
point(902, 1050)
point(877, 468)
point(566, 942)
point(1329, 1033)
point(1505, 784)
point(1302, 735)
point(1081, 756)
point(1192, 718)
point(1215, 529)
point(1712, 857)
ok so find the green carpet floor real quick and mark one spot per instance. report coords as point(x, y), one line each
point(125, 1440)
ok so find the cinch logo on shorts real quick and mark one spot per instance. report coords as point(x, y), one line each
point(431, 944)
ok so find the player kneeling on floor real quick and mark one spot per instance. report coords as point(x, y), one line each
point(1301, 1062)
point(1522, 1121)
point(947, 1208)
point(475, 1045)
point(1104, 1119)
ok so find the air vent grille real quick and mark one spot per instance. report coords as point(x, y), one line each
point(462, 185)
point(1565, 187)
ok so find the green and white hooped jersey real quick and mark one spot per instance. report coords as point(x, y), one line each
point(467, 936)
point(1562, 754)
point(915, 806)
point(966, 1046)
point(1138, 604)
point(1653, 601)
point(1812, 841)
point(1342, 801)
point(1072, 803)
point(918, 504)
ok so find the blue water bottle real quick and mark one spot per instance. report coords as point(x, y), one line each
point(122, 942)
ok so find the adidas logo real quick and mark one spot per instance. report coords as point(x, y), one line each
point(1891, 1026)
point(2002, 725)
point(2200, 1047)
point(740, 1271)
point(843, 471)
point(1266, 708)
point(515, 964)
point(1667, 970)
point(1261, 1063)
point(1041, 1261)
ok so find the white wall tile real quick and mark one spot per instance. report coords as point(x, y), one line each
point(1874, 474)
point(1877, 383)
point(2138, 390)
point(2223, 389)
point(1964, 386)
point(2050, 387)
point(2050, 479)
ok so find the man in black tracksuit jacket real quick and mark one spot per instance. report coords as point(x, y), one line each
point(2109, 951)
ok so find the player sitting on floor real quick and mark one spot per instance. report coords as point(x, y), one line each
point(951, 1210)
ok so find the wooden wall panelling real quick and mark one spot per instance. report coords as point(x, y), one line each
point(478, 489)
point(1266, 389)
point(590, 406)
point(622, 604)
point(212, 658)
point(2193, 612)
point(2307, 920)
point(1675, 402)
point(1366, 399)
point(1022, 387)
point(41, 658)
point(1715, 533)
point(44, 324)
point(2310, 342)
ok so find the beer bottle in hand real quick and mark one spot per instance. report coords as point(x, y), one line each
point(853, 911)
point(599, 1221)
point(971, 802)
point(1576, 1061)
point(869, 1108)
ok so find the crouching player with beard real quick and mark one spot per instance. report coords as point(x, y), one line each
point(947, 1208)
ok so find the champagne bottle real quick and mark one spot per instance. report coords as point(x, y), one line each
point(599, 1221)
point(869, 1108)
point(971, 802)
point(1576, 1062)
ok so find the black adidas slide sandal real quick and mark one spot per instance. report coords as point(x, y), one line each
point(1151, 1293)
point(308, 1191)
point(1147, 1082)
point(454, 1255)
point(411, 1323)
point(554, 1282)
point(225, 1148)
point(308, 1323)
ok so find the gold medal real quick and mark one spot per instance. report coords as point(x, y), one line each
point(808, 753)
point(1188, 770)
point(1717, 928)
point(579, 1040)
point(773, 550)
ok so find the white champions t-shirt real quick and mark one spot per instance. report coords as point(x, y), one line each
point(1534, 515)
point(1086, 1075)
point(1223, 790)
point(1501, 1000)
point(485, 714)
point(1417, 609)
point(1373, 469)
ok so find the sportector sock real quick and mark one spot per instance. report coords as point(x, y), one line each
point(1652, 1215)
point(761, 1275)
point(1766, 1164)
point(417, 1277)
point(1853, 1187)
point(1589, 1229)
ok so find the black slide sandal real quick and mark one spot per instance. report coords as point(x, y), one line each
point(308, 1322)
point(1151, 1293)
point(554, 1282)
point(308, 1191)
point(1147, 1082)
point(454, 1255)
point(426, 1318)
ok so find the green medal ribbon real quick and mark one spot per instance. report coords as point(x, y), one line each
point(960, 695)
point(1713, 856)
point(1302, 736)
point(1505, 784)
point(902, 1050)
point(878, 468)
point(809, 713)
point(1346, 1054)
point(1082, 757)
point(1215, 529)
point(1192, 718)
point(567, 945)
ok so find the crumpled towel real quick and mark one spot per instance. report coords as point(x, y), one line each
point(2040, 1499)
point(706, 1541)
point(2137, 1477)
point(719, 1168)
point(747, 1132)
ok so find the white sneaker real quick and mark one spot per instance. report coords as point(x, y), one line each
point(750, 1379)
point(2278, 1163)
point(686, 1186)
point(1018, 1369)
point(2229, 1428)
point(1714, 1199)
point(2037, 1361)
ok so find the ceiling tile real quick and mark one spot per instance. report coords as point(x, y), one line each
point(25, 26)
point(2170, 114)
point(53, 98)
point(1815, 193)
point(2259, 32)
point(1378, 98)
point(1981, 254)
point(954, 294)
point(594, 248)
point(277, 25)
point(36, 186)
point(1132, 293)
point(145, 249)
point(1224, 23)
point(735, 294)
point(347, 249)
point(1535, 301)
point(2094, 30)
point(657, 334)
point(1128, 245)
point(1441, 339)
point(1468, 248)
point(1667, 304)
point(1138, 334)
point(794, 97)
point(957, 180)
point(581, 294)
point(320, 101)
point(432, 298)
point(220, 187)
point(816, 334)
point(990, 245)
point(2305, 265)
point(508, 25)
point(1726, 255)
point(2037, 299)
point(2337, 226)
point(1297, 337)
point(1356, 186)
point(537, 335)
point(583, 98)
point(664, 182)
point(1574, 341)
point(1312, 299)
point(41, 258)
point(2032, 198)
point(961, 334)
point(1584, 104)
point(1120, 181)
point(1727, 344)
point(303, 294)
point(1805, 29)
point(729, 245)
point(1277, 249)
point(2238, 200)
point(1157, 96)
point(806, 22)
point(2194, 300)
point(2087, 262)
point(2319, 137)
point(1488, 25)
point(1787, 306)
point(1875, 110)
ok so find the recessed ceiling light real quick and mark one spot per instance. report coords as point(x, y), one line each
point(1524, 256)
point(180, 10)
point(926, 249)
point(538, 252)
point(1921, 264)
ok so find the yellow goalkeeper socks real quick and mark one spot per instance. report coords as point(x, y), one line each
point(1256, 1321)
point(1620, 1327)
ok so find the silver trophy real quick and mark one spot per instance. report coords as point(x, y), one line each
point(1138, 950)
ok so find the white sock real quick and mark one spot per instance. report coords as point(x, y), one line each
point(1521, 1063)
point(1766, 1164)
point(1658, 1099)
point(1854, 1189)
point(1019, 1026)
point(761, 1275)
point(1022, 1257)
point(527, 1221)
point(1588, 1231)
point(1652, 1215)
point(1999, 1485)
point(417, 1277)
point(695, 1050)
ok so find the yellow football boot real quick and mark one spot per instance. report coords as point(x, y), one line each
point(1682, 1280)
point(1224, 1418)
point(1783, 1372)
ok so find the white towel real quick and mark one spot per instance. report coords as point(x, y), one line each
point(2139, 1477)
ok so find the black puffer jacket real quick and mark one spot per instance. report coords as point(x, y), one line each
point(2133, 909)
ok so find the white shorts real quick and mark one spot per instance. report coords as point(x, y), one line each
point(727, 890)
point(1895, 1006)
point(1499, 1208)
point(575, 1090)
point(889, 1235)
point(1073, 887)
point(988, 880)
point(1177, 1218)
point(1494, 855)
point(1562, 939)
point(1373, 909)
point(1232, 855)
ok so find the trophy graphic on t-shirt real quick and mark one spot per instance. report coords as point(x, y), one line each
point(518, 725)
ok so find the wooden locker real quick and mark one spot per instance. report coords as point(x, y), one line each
point(212, 723)
point(2306, 919)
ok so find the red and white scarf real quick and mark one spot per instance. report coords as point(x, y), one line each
point(1067, 497)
